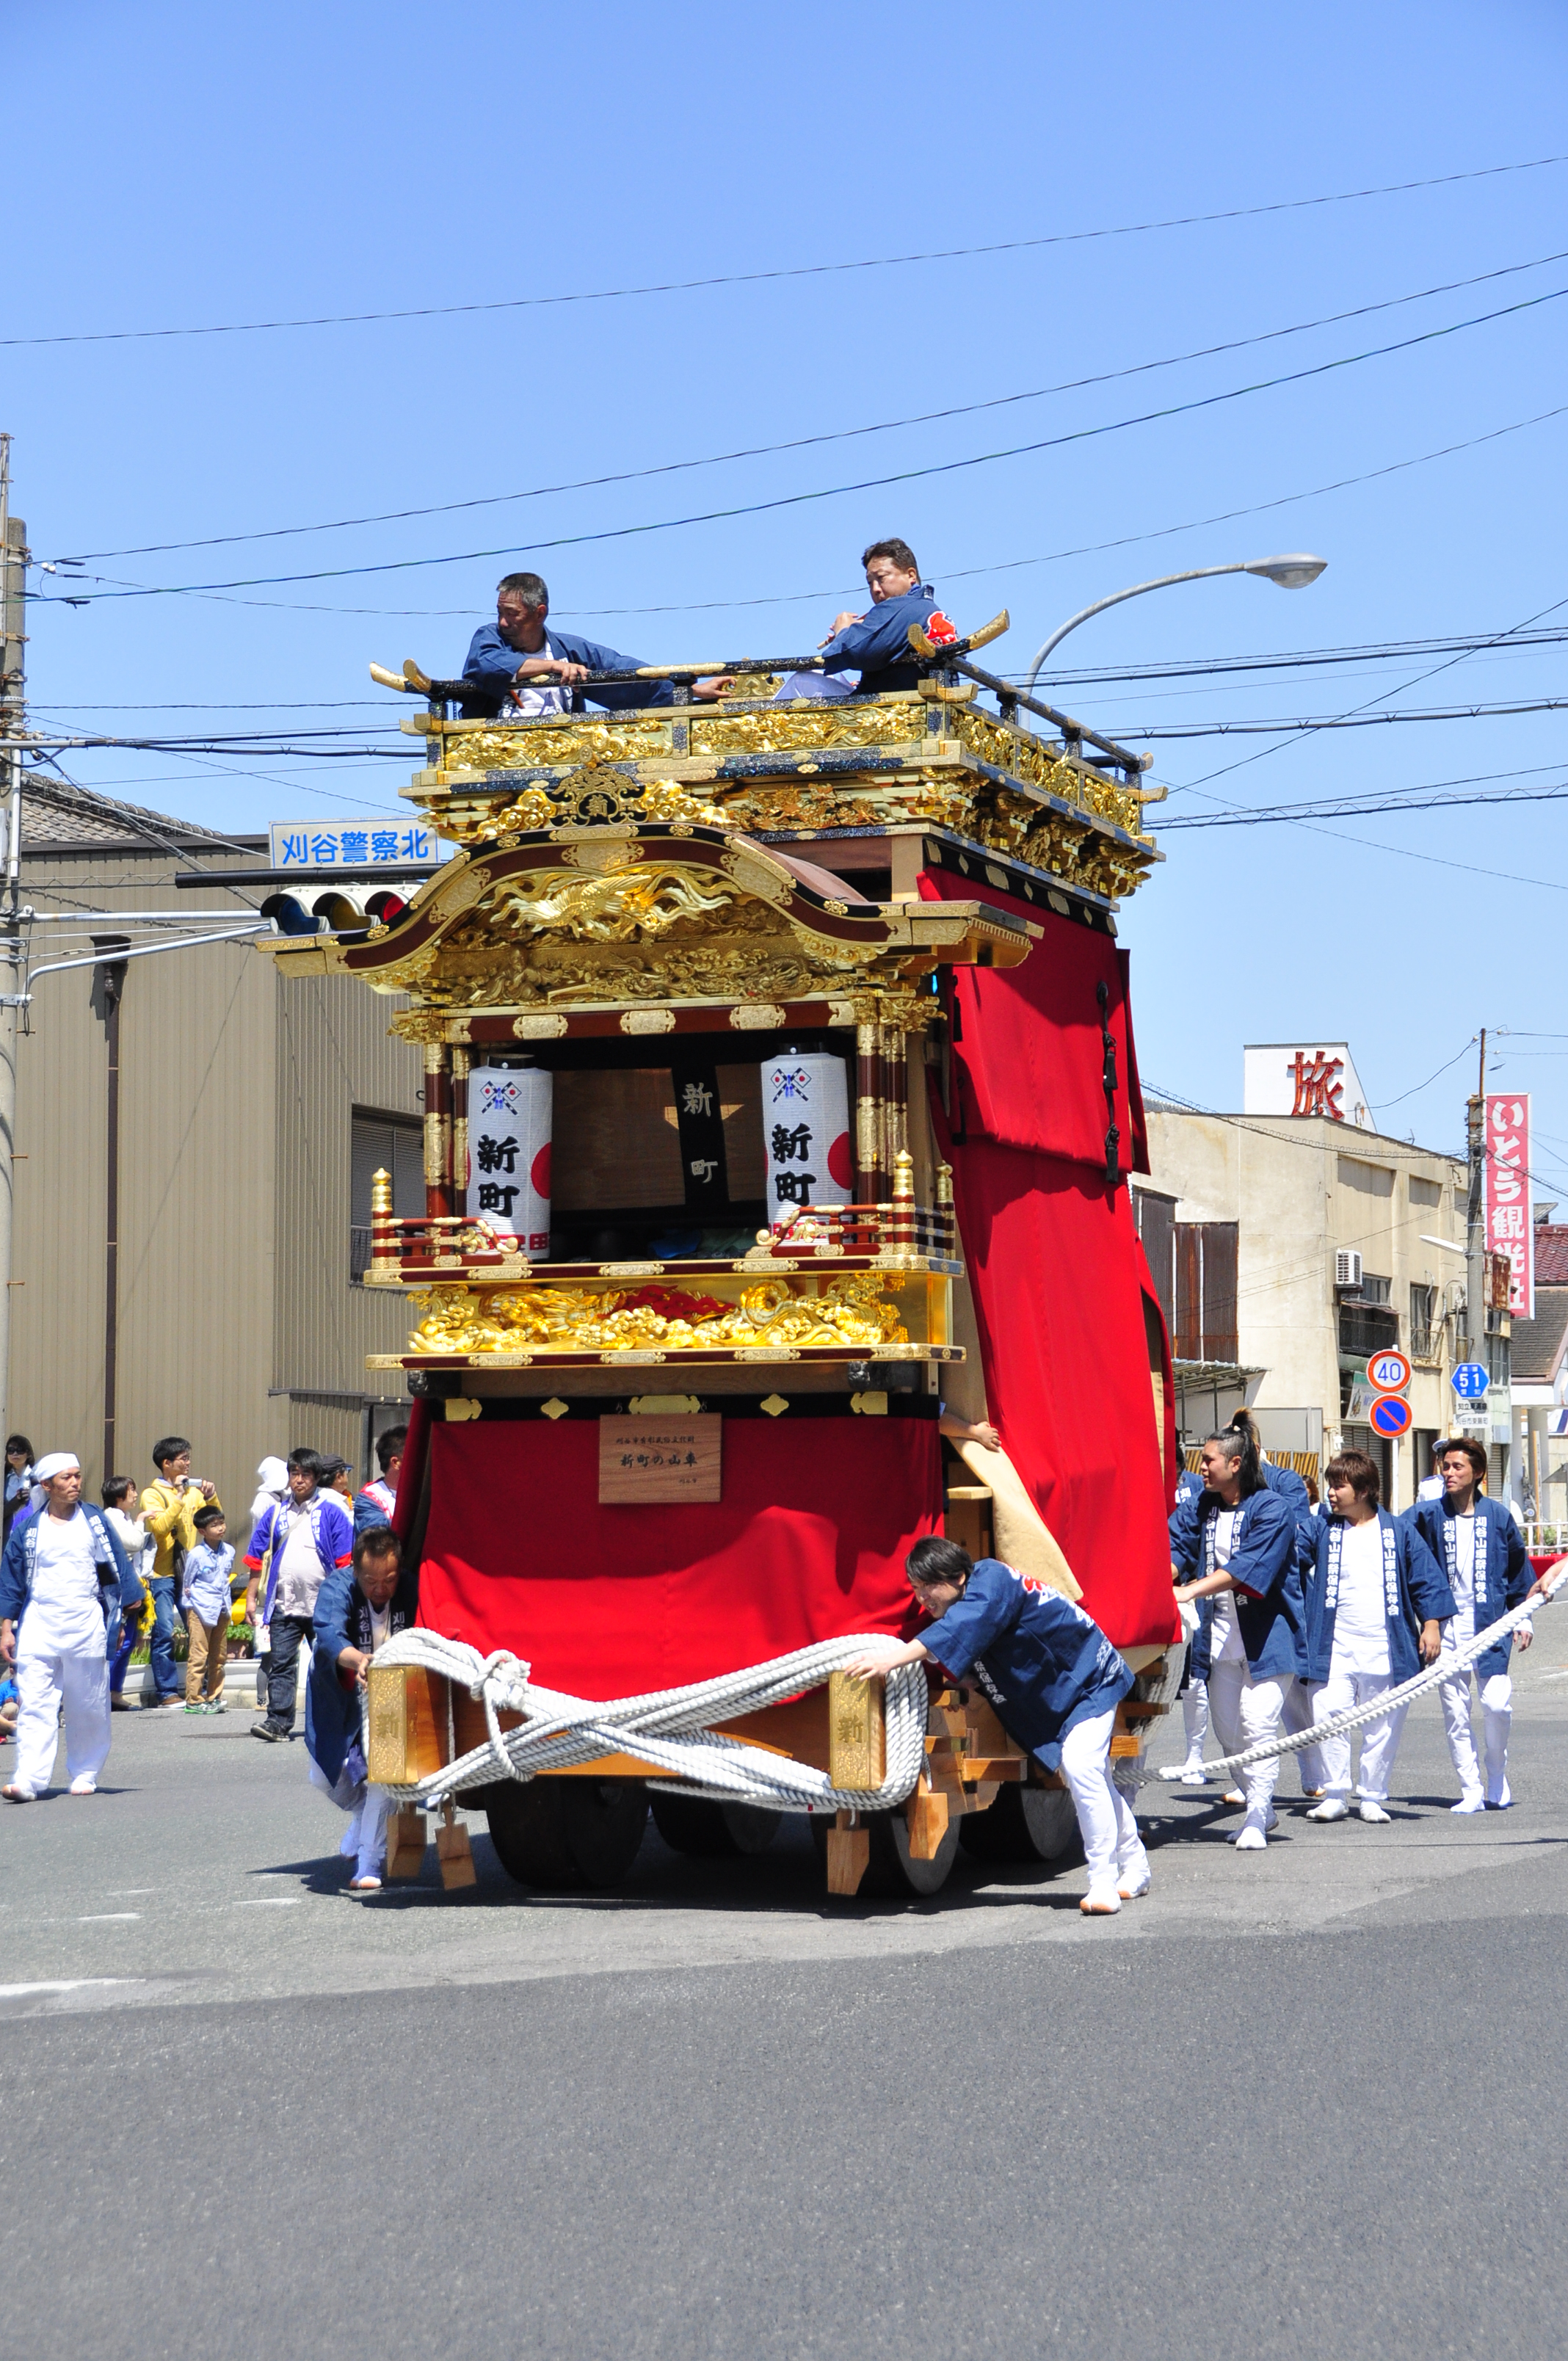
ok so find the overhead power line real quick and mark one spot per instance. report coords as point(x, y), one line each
point(840, 591)
point(1397, 799)
point(810, 442)
point(874, 483)
point(791, 270)
point(1336, 720)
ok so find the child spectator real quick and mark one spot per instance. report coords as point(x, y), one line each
point(1055, 1681)
point(207, 1611)
point(10, 1703)
point(130, 1524)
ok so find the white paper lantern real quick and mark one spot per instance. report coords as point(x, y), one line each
point(510, 1115)
point(806, 1131)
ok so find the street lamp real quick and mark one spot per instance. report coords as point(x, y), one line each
point(1289, 573)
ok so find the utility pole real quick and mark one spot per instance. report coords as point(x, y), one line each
point(13, 644)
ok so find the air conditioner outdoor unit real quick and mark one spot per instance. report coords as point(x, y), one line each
point(1347, 1267)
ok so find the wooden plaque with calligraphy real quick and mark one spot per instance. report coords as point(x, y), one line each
point(646, 1460)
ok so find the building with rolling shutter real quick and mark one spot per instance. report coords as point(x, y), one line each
point(1286, 1249)
point(189, 1249)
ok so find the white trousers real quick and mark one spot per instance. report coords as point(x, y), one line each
point(1298, 1716)
point(1112, 1845)
point(1245, 1712)
point(1496, 1721)
point(1195, 1716)
point(1379, 1739)
point(79, 1677)
point(364, 1840)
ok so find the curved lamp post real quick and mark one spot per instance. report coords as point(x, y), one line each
point(1289, 573)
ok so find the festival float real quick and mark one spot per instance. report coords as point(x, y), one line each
point(780, 1093)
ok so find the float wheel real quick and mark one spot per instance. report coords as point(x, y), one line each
point(567, 1833)
point(890, 1875)
point(1023, 1824)
point(707, 1831)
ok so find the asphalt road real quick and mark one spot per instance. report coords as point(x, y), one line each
point(1310, 2102)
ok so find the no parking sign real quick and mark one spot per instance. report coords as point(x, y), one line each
point(1391, 1416)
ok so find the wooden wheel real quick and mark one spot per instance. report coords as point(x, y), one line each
point(707, 1831)
point(566, 1833)
point(892, 1875)
point(1023, 1824)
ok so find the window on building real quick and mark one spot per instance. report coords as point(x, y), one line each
point(381, 1143)
point(1205, 1253)
point(1423, 1321)
point(1374, 1290)
point(1425, 1192)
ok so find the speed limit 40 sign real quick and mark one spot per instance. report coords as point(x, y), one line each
point(1388, 1372)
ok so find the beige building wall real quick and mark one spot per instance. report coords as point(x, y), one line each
point(1297, 1193)
point(236, 1321)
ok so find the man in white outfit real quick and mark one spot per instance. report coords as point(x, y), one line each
point(1480, 1549)
point(64, 1582)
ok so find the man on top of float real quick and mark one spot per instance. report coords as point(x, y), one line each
point(527, 670)
point(876, 645)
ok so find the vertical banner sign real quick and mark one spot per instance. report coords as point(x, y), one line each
point(1508, 1198)
point(509, 1118)
point(805, 1129)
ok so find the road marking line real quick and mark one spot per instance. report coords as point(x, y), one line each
point(70, 1985)
point(105, 1918)
point(271, 1902)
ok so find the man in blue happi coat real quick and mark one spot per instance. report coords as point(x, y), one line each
point(1055, 1680)
point(522, 665)
point(1292, 1488)
point(1234, 1552)
point(1482, 1551)
point(1376, 1601)
point(876, 645)
point(360, 1607)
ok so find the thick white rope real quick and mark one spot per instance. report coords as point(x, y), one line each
point(1451, 1663)
point(668, 1728)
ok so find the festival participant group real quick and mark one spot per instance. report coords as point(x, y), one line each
point(1297, 1611)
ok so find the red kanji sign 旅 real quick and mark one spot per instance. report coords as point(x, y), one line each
point(1507, 1197)
point(1319, 1089)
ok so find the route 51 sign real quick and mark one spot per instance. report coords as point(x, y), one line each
point(1388, 1372)
point(1469, 1381)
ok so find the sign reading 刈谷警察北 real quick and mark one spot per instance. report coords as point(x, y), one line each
point(351, 843)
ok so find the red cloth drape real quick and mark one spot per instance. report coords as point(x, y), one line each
point(1054, 1262)
point(1028, 1061)
point(807, 1543)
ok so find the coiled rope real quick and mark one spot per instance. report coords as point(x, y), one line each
point(668, 1728)
point(1451, 1663)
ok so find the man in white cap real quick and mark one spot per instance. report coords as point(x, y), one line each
point(64, 1584)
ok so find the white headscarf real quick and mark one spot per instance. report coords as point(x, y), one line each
point(272, 1477)
point(53, 1463)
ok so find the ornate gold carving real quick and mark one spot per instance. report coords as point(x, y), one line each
point(538, 1027)
point(528, 746)
point(851, 1309)
point(802, 726)
point(648, 1020)
point(632, 900)
point(756, 1016)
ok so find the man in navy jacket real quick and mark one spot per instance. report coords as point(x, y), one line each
point(516, 663)
point(1055, 1680)
point(876, 645)
point(1482, 1550)
point(360, 1607)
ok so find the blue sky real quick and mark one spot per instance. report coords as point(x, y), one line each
point(186, 169)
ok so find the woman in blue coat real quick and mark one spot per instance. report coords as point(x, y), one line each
point(1376, 1604)
point(1482, 1550)
point(1235, 1552)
